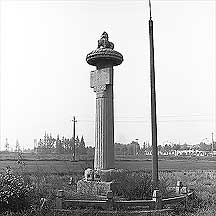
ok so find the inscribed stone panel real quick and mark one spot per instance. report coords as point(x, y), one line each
point(100, 77)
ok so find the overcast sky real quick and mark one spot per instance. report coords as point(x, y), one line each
point(45, 80)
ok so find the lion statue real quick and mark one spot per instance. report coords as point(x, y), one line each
point(104, 42)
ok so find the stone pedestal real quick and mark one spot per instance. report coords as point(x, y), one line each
point(97, 182)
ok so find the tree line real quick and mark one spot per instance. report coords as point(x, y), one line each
point(49, 144)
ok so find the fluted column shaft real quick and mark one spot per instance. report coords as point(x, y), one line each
point(102, 82)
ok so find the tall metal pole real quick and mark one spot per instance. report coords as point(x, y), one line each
point(74, 146)
point(212, 143)
point(153, 107)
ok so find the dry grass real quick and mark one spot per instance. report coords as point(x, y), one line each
point(47, 183)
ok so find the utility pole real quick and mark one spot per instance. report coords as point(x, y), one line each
point(153, 106)
point(212, 143)
point(74, 130)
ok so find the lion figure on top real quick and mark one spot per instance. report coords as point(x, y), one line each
point(104, 42)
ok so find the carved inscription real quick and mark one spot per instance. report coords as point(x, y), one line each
point(99, 79)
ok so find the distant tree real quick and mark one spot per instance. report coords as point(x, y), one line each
point(90, 152)
point(63, 144)
point(185, 146)
point(167, 148)
point(82, 142)
point(82, 146)
point(45, 141)
point(214, 146)
point(204, 147)
point(50, 144)
point(133, 148)
point(124, 150)
point(66, 145)
point(6, 145)
point(176, 147)
point(117, 148)
point(59, 147)
point(148, 147)
point(160, 148)
point(39, 148)
point(17, 147)
point(144, 146)
point(77, 141)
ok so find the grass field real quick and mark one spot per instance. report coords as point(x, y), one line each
point(66, 167)
point(175, 165)
point(50, 175)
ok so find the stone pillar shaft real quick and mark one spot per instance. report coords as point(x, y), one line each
point(102, 82)
point(104, 130)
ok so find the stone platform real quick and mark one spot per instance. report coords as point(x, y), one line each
point(97, 182)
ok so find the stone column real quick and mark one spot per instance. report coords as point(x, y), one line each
point(104, 58)
point(102, 82)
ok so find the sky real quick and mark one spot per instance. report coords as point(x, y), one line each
point(45, 79)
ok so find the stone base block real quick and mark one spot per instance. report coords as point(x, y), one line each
point(94, 187)
point(104, 175)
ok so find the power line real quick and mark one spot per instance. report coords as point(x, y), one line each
point(169, 116)
point(145, 121)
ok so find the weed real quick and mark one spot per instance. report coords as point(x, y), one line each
point(15, 191)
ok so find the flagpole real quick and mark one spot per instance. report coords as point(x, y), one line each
point(153, 106)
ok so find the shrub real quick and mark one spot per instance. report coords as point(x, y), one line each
point(137, 185)
point(15, 191)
